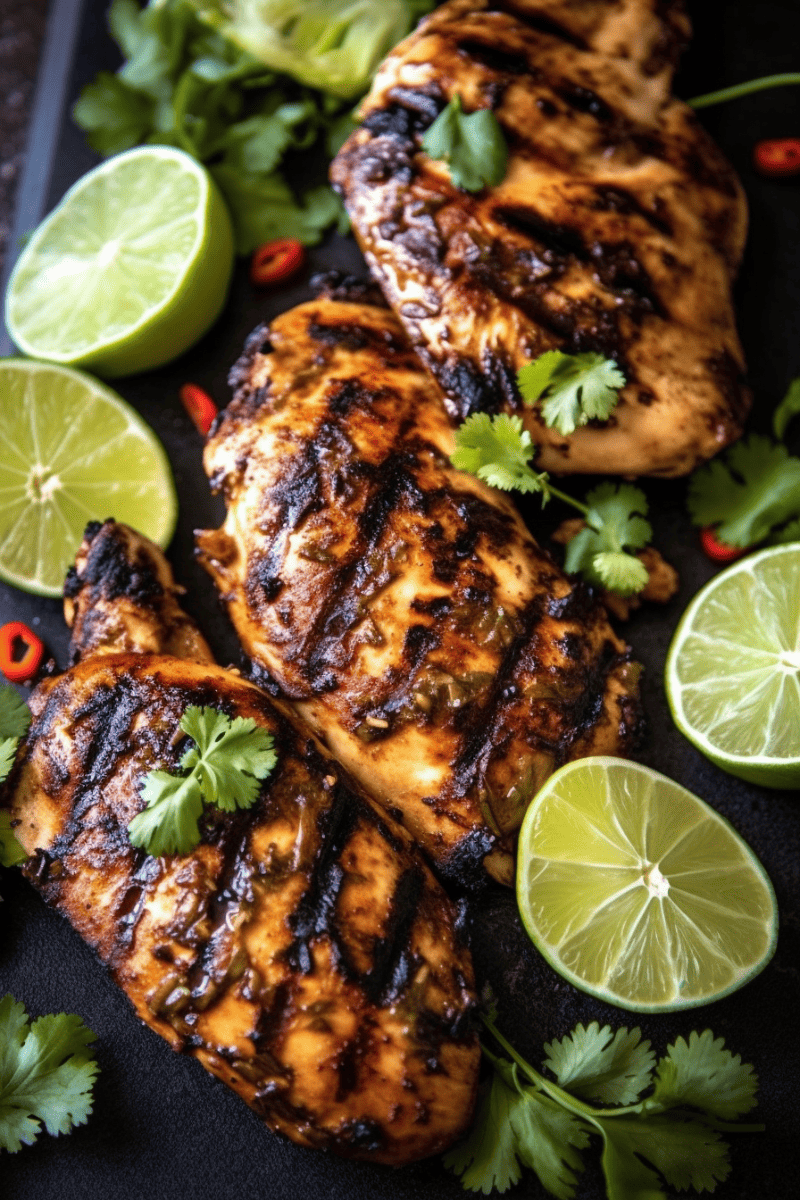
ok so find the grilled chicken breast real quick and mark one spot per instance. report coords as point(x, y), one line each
point(617, 229)
point(401, 606)
point(303, 952)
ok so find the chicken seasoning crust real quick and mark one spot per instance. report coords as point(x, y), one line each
point(401, 606)
point(618, 227)
point(303, 952)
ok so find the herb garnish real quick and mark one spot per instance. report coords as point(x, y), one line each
point(226, 765)
point(472, 145)
point(573, 388)
point(669, 1114)
point(46, 1074)
point(15, 718)
point(498, 450)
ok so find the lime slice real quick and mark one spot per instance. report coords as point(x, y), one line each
point(637, 892)
point(71, 451)
point(733, 669)
point(129, 270)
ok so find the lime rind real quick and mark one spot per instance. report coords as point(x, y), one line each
point(692, 931)
point(129, 270)
point(732, 673)
point(96, 458)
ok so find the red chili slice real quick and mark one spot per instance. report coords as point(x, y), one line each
point(199, 405)
point(21, 652)
point(276, 260)
point(777, 157)
point(716, 550)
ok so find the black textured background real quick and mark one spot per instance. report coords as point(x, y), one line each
point(162, 1127)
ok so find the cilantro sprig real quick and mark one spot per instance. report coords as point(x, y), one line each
point(572, 389)
point(498, 450)
point(46, 1074)
point(225, 767)
point(471, 144)
point(658, 1121)
point(15, 718)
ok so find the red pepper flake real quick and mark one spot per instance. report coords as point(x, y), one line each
point(275, 261)
point(716, 550)
point(777, 157)
point(199, 405)
point(21, 652)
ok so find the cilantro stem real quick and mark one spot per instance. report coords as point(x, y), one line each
point(744, 89)
point(557, 494)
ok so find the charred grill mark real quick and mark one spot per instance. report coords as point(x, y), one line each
point(557, 241)
point(468, 390)
point(539, 23)
point(619, 270)
point(505, 62)
point(296, 496)
point(109, 572)
point(353, 289)
point(619, 200)
point(393, 965)
point(584, 100)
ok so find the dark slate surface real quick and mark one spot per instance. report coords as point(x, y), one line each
point(162, 1127)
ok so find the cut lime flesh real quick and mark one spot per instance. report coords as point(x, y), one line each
point(129, 270)
point(733, 669)
point(638, 892)
point(73, 451)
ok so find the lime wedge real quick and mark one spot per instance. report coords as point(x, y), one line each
point(638, 892)
point(71, 451)
point(129, 270)
point(733, 669)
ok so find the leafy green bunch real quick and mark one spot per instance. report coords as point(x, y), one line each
point(499, 451)
point(263, 134)
point(14, 721)
point(658, 1122)
point(752, 493)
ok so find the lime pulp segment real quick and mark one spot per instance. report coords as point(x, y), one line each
point(638, 892)
point(71, 451)
point(733, 669)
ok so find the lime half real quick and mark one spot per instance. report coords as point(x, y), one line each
point(733, 669)
point(72, 451)
point(638, 892)
point(129, 270)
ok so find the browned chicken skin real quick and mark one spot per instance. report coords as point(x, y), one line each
point(617, 229)
point(400, 605)
point(303, 952)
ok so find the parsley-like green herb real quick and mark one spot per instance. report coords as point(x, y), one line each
point(572, 388)
point(499, 451)
point(472, 145)
point(225, 767)
point(46, 1074)
point(788, 408)
point(263, 135)
point(660, 1122)
point(15, 718)
point(751, 494)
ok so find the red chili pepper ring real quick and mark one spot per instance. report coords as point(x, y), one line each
point(21, 652)
point(716, 550)
point(199, 405)
point(777, 157)
point(275, 261)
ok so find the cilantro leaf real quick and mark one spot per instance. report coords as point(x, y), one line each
point(789, 407)
point(225, 765)
point(615, 525)
point(613, 1068)
point(748, 494)
point(487, 1161)
point(46, 1074)
point(472, 145)
point(15, 716)
point(497, 450)
point(11, 851)
point(573, 388)
point(547, 1135)
point(686, 1153)
point(703, 1074)
point(115, 117)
